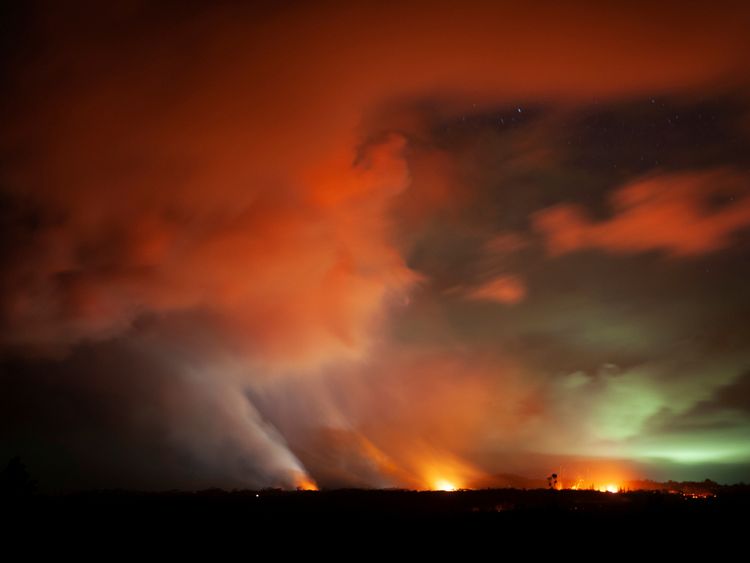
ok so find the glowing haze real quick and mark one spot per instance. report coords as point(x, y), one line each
point(358, 244)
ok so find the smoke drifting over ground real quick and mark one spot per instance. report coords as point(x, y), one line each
point(373, 246)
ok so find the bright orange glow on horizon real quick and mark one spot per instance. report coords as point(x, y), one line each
point(580, 486)
point(443, 485)
point(448, 473)
point(305, 483)
point(605, 483)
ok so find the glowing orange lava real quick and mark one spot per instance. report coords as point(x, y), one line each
point(447, 474)
point(609, 489)
point(305, 483)
point(603, 486)
point(444, 485)
point(609, 479)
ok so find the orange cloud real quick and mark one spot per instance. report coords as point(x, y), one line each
point(201, 163)
point(681, 214)
point(507, 289)
point(300, 276)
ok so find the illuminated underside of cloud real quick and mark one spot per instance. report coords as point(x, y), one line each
point(672, 213)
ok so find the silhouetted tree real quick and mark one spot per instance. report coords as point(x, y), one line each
point(15, 480)
point(552, 481)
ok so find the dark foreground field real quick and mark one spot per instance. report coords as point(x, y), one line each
point(502, 509)
point(360, 525)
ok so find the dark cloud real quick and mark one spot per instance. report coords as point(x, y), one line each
point(727, 407)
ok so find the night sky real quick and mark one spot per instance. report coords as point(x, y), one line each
point(373, 244)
